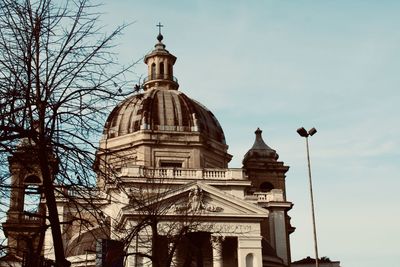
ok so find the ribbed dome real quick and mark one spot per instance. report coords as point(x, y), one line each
point(162, 110)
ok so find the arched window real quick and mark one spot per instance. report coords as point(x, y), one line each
point(249, 260)
point(32, 194)
point(32, 179)
point(32, 198)
point(162, 70)
point(153, 70)
point(266, 187)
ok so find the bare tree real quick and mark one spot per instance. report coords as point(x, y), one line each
point(58, 78)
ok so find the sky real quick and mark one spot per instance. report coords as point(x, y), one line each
point(281, 65)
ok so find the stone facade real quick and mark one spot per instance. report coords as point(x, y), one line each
point(165, 189)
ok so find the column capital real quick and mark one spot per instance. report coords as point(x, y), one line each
point(217, 238)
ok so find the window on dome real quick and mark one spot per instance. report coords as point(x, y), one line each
point(170, 71)
point(153, 71)
point(162, 70)
point(170, 164)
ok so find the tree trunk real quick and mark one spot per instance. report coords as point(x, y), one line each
point(155, 246)
point(49, 194)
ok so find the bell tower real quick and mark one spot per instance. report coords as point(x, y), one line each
point(263, 168)
point(267, 176)
point(25, 224)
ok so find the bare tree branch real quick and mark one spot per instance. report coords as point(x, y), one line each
point(58, 79)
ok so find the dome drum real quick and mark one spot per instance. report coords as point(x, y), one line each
point(156, 77)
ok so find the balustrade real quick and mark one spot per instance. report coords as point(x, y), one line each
point(210, 174)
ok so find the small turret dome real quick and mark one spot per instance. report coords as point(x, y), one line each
point(260, 150)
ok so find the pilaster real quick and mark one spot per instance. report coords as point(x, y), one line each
point(249, 251)
point(278, 225)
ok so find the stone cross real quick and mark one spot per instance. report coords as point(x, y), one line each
point(159, 25)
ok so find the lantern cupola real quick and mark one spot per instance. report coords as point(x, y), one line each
point(160, 67)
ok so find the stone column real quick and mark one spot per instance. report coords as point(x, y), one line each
point(130, 261)
point(48, 246)
point(142, 246)
point(174, 261)
point(216, 244)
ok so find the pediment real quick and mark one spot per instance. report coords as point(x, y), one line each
point(200, 199)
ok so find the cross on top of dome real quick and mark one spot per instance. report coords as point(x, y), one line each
point(159, 37)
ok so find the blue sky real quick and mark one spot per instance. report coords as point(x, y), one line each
point(280, 65)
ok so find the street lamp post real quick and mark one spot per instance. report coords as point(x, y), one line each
point(303, 133)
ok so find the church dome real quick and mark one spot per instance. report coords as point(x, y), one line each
point(161, 126)
point(162, 110)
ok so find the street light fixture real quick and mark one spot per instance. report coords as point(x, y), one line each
point(304, 133)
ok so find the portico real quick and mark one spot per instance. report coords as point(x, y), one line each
point(225, 230)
